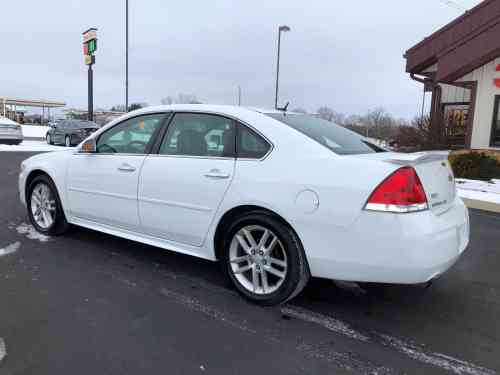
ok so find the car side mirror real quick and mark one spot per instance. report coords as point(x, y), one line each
point(89, 146)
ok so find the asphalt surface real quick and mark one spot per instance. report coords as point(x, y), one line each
point(89, 303)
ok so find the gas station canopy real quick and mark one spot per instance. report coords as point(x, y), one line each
point(31, 103)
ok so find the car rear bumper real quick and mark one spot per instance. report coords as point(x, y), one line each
point(395, 248)
point(11, 137)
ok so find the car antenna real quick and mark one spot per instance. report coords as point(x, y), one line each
point(285, 108)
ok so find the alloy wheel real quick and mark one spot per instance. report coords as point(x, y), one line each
point(43, 205)
point(258, 259)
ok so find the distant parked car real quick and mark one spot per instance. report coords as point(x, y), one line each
point(70, 132)
point(10, 132)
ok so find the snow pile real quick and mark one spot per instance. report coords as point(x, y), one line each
point(31, 146)
point(35, 131)
point(487, 191)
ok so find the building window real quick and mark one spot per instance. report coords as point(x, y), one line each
point(495, 126)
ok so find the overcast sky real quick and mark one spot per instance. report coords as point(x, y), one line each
point(344, 54)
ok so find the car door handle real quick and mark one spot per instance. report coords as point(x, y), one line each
point(216, 173)
point(126, 168)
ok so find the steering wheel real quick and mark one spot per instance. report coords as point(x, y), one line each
point(137, 144)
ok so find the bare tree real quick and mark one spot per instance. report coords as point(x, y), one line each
point(328, 114)
point(180, 99)
point(299, 110)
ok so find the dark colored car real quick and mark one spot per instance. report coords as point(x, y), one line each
point(70, 132)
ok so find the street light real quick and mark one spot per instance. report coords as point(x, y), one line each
point(282, 28)
point(126, 55)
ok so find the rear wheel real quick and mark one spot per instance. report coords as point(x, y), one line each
point(49, 139)
point(264, 259)
point(44, 207)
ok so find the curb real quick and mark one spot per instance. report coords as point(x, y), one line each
point(482, 205)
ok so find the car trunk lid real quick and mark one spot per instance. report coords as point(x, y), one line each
point(432, 168)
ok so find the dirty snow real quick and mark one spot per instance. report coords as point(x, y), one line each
point(12, 248)
point(492, 186)
point(30, 232)
point(3, 349)
point(31, 146)
point(486, 191)
point(35, 131)
point(327, 322)
point(445, 362)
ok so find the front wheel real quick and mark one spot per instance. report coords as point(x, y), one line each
point(44, 207)
point(264, 259)
point(67, 141)
point(49, 139)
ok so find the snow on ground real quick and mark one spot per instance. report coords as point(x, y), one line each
point(492, 186)
point(35, 131)
point(31, 146)
point(486, 191)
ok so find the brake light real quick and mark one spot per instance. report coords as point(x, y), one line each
point(401, 192)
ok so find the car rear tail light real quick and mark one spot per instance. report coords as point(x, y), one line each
point(401, 192)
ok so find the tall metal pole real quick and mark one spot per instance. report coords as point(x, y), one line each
point(277, 70)
point(91, 95)
point(239, 95)
point(126, 55)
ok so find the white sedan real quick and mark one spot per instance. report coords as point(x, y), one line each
point(276, 197)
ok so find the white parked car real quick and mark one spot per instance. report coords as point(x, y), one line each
point(10, 132)
point(276, 197)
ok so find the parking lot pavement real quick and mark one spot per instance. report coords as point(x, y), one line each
point(89, 303)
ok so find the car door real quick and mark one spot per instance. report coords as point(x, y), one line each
point(58, 131)
point(182, 186)
point(102, 186)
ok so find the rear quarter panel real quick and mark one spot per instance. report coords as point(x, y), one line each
point(341, 184)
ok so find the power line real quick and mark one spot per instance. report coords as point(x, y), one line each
point(454, 4)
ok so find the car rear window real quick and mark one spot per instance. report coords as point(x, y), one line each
point(337, 138)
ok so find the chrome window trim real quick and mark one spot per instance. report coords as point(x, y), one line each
point(192, 157)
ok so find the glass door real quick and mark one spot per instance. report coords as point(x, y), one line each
point(495, 126)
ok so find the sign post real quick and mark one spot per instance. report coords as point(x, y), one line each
point(89, 49)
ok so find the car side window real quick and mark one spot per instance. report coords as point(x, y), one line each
point(196, 134)
point(132, 136)
point(250, 145)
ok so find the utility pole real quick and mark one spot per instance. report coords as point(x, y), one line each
point(126, 55)
point(281, 29)
point(239, 95)
point(91, 94)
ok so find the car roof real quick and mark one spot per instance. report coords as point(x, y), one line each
point(214, 108)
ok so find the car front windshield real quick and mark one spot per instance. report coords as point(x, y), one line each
point(337, 138)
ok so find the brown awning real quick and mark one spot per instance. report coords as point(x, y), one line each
point(463, 45)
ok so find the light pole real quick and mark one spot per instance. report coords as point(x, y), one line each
point(126, 55)
point(282, 28)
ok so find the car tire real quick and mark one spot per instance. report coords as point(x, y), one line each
point(67, 141)
point(46, 214)
point(270, 274)
point(48, 138)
